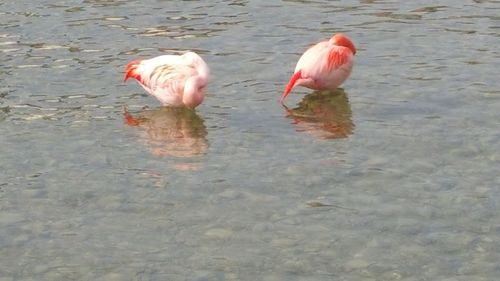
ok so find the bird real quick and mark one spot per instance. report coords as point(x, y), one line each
point(175, 80)
point(324, 66)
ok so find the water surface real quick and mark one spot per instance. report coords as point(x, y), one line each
point(393, 177)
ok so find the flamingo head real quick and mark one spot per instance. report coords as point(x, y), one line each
point(341, 39)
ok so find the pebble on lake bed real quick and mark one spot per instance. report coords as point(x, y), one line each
point(219, 233)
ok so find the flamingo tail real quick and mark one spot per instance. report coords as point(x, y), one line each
point(131, 70)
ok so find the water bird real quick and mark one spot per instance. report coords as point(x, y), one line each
point(324, 66)
point(175, 80)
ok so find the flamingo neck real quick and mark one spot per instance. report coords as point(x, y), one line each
point(293, 80)
point(194, 92)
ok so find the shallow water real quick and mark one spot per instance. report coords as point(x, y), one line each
point(395, 177)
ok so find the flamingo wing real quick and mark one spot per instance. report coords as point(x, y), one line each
point(169, 77)
point(167, 83)
point(336, 57)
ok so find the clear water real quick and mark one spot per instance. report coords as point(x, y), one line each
point(395, 177)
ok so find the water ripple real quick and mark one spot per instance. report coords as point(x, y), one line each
point(412, 145)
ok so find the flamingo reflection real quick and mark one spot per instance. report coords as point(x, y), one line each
point(167, 131)
point(323, 114)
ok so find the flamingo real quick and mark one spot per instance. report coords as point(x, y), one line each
point(323, 66)
point(175, 80)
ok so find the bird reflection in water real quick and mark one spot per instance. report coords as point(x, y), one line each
point(174, 132)
point(323, 114)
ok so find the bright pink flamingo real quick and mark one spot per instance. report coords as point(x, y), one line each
point(323, 66)
point(174, 80)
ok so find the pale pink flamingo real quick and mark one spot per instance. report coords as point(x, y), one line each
point(175, 80)
point(323, 66)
